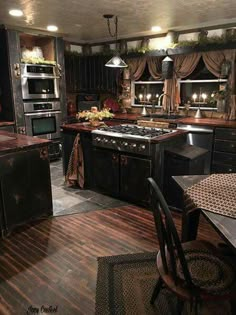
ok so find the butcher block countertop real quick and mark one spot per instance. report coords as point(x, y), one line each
point(12, 142)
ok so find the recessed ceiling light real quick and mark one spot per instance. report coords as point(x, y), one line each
point(52, 28)
point(16, 12)
point(156, 28)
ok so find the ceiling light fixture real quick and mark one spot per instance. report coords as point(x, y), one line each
point(156, 28)
point(15, 12)
point(52, 28)
point(115, 61)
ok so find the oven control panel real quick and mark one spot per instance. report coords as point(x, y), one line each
point(122, 144)
point(31, 107)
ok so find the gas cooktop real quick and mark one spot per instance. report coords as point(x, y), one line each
point(132, 131)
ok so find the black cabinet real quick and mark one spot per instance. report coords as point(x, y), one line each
point(122, 175)
point(224, 155)
point(134, 172)
point(25, 191)
point(87, 73)
point(106, 171)
point(181, 160)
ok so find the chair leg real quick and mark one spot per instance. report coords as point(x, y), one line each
point(156, 290)
point(180, 305)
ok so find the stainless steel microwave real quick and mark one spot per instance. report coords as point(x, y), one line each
point(39, 82)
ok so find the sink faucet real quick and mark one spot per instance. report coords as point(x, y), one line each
point(153, 107)
point(167, 104)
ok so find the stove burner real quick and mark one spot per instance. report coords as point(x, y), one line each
point(134, 130)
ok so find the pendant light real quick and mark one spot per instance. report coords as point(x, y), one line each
point(167, 68)
point(115, 61)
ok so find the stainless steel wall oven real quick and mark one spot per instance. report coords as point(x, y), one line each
point(39, 81)
point(43, 119)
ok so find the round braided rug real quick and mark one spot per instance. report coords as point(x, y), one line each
point(208, 272)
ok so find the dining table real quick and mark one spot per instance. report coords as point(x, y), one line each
point(203, 194)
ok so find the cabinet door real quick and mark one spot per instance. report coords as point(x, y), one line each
point(106, 171)
point(133, 178)
point(15, 188)
point(25, 186)
point(40, 183)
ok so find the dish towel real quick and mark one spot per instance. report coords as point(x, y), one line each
point(75, 170)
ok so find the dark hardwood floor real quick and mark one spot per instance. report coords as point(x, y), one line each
point(54, 262)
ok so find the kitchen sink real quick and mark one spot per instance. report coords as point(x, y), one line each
point(164, 116)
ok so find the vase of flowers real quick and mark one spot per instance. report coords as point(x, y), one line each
point(219, 98)
point(94, 116)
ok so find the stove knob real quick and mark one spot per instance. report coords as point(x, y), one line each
point(125, 144)
point(142, 147)
point(106, 140)
point(113, 141)
point(98, 139)
point(134, 145)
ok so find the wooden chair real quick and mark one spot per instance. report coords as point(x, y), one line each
point(190, 269)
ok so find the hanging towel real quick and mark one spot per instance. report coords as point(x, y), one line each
point(75, 170)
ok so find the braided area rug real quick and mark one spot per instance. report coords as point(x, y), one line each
point(125, 284)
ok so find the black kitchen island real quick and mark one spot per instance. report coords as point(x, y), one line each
point(119, 164)
point(25, 192)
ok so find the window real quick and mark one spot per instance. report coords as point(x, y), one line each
point(200, 88)
point(146, 91)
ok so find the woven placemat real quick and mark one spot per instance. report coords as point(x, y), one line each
point(216, 193)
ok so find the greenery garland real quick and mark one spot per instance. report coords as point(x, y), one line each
point(202, 41)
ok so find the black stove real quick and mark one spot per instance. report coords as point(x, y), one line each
point(127, 138)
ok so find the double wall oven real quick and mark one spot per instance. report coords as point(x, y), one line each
point(41, 100)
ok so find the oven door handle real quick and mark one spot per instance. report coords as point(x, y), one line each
point(43, 113)
point(33, 76)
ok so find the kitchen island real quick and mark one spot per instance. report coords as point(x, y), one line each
point(25, 180)
point(118, 161)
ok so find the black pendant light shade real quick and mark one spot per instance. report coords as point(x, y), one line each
point(167, 68)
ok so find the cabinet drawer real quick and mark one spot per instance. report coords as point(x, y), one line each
point(224, 158)
point(221, 168)
point(225, 134)
point(225, 146)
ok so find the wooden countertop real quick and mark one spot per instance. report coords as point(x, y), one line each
point(86, 127)
point(133, 117)
point(211, 122)
point(12, 142)
point(6, 123)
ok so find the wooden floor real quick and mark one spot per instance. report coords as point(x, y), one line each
point(54, 262)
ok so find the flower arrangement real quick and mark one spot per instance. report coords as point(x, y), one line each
point(219, 95)
point(94, 114)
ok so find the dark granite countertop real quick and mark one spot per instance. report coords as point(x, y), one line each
point(12, 142)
